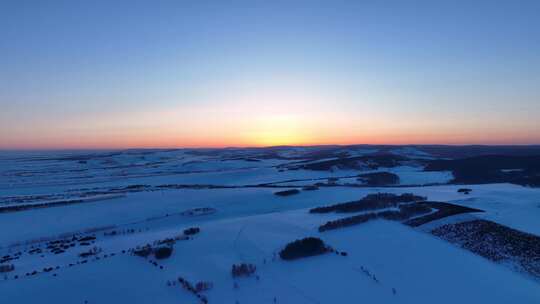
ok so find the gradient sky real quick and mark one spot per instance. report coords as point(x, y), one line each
point(120, 74)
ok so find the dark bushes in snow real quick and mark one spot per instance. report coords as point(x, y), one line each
point(287, 192)
point(143, 252)
point(87, 238)
point(167, 241)
point(464, 190)
point(379, 178)
point(90, 252)
point(163, 252)
point(306, 247)
point(203, 286)
point(192, 231)
point(243, 270)
point(196, 290)
point(7, 268)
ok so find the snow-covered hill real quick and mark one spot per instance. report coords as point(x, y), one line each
point(58, 206)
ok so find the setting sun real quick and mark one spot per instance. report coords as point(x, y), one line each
point(278, 130)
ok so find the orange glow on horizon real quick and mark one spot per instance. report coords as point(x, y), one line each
point(262, 139)
point(239, 125)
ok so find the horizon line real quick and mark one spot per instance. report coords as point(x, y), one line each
point(258, 147)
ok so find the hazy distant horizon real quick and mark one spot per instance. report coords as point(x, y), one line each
point(109, 149)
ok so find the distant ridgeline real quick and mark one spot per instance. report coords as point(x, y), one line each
point(521, 170)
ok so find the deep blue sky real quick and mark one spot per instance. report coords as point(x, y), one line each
point(198, 73)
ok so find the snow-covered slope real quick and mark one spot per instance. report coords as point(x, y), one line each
point(408, 266)
point(148, 193)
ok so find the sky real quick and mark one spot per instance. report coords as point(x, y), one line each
point(124, 74)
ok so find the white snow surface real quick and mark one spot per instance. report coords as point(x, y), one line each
point(418, 266)
point(250, 225)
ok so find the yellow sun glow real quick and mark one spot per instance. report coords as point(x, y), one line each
point(278, 130)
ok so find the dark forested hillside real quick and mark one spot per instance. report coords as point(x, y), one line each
point(523, 170)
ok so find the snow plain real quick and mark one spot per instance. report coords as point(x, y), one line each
point(250, 225)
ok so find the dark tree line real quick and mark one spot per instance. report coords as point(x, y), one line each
point(370, 202)
point(405, 212)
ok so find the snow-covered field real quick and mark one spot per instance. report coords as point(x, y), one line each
point(148, 191)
